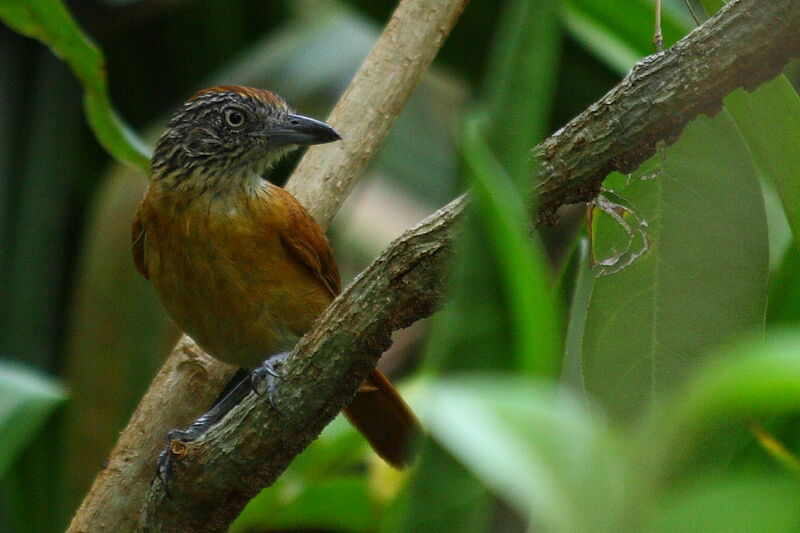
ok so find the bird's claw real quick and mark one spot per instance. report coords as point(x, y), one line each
point(177, 439)
point(175, 448)
point(267, 374)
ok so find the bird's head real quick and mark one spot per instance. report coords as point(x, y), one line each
point(225, 132)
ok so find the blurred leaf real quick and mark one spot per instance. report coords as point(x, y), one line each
point(440, 496)
point(703, 280)
point(33, 485)
point(480, 331)
point(13, 63)
point(327, 465)
point(620, 32)
point(769, 121)
point(53, 171)
point(471, 332)
point(775, 449)
point(781, 241)
point(481, 327)
point(537, 448)
point(741, 503)
point(49, 174)
point(578, 300)
point(338, 504)
point(784, 293)
point(530, 303)
point(49, 22)
point(712, 6)
point(751, 378)
point(520, 83)
point(27, 399)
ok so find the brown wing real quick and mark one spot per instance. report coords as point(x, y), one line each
point(305, 238)
point(377, 410)
point(138, 236)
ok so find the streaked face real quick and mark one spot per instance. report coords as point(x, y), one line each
point(233, 130)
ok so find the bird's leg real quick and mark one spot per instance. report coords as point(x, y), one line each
point(200, 426)
point(266, 373)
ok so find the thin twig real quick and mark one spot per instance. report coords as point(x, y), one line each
point(658, 36)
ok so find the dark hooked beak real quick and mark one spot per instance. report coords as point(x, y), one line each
point(297, 129)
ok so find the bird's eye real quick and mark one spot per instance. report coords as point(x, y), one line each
point(234, 118)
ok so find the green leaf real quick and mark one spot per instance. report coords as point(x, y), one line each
point(784, 293)
point(620, 32)
point(49, 22)
point(769, 121)
point(440, 496)
point(487, 323)
point(318, 489)
point(756, 377)
point(521, 82)
point(338, 504)
point(712, 6)
point(474, 329)
point(38, 241)
point(27, 399)
point(701, 283)
point(751, 378)
point(471, 332)
point(740, 503)
point(503, 211)
point(538, 449)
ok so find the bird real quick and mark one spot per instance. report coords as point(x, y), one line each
point(237, 262)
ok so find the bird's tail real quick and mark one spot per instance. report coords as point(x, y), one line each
point(385, 420)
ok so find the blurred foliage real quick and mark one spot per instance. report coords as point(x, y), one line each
point(28, 399)
point(50, 22)
point(614, 392)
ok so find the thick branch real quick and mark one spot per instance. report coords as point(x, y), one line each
point(745, 44)
point(190, 380)
point(224, 469)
